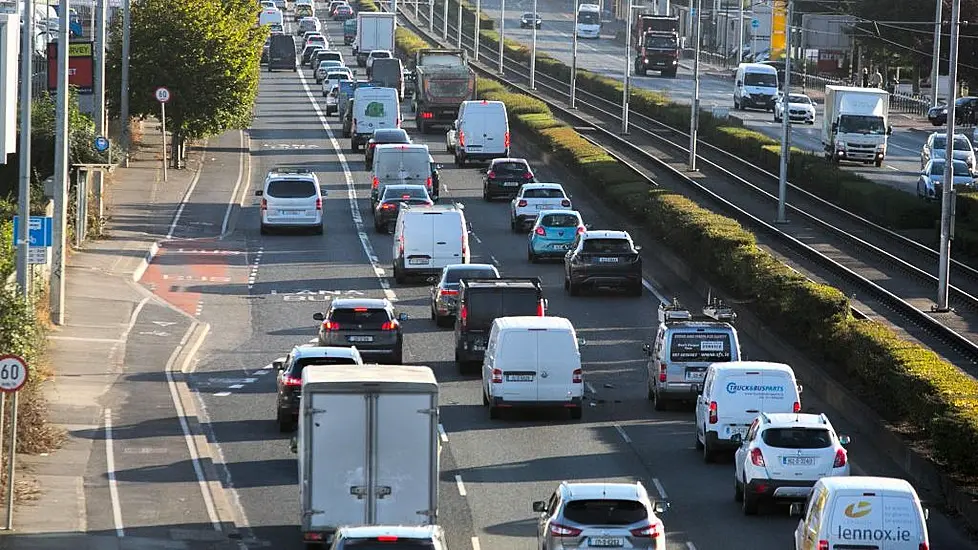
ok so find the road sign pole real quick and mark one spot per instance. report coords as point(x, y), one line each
point(13, 376)
point(163, 117)
point(57, 287)
point(98, 177)
point(11, 460)
point(24, 154)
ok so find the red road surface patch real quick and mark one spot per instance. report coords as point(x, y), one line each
point(182, 271)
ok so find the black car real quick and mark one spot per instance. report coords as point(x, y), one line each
point(435, 178)
point(386, 209)
point(528, 20)
point(369, 324)
point(308, 51)
point(602, 259)
point(444, 293)
point(281, 53)
point(290, 377)
point(965, 112)
point(382, 137)
point(481, 301)
point(504, 177)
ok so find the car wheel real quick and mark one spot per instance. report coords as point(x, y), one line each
point(512, 224)
point(920, 191)
point(354, 146)
point(696, 441)
point(636, 290)
point(650, 394)
point(658, 404)
point(318, 230)
point(399, 277)
point(485, 399)
point(575, 288)
point(285, 423)
point(378, 227)
point(566, 284)
point(494, 413)
point(708, 452)
point(577, 413)
point(749, 502)
point(738, 491)
point(485, 194)
point(263, 230)
point(397, 357)
point(443, 320)
point(461, 160)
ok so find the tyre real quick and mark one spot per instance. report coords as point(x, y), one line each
point(354, 145)
point(263, 230)
point(749, 502)
point(574, 288)
point(461, 160)
point(494, 413)
point(397, 357)
point(577, 413)
point(423, 127)
point(530, 256)
point(658, 404)
point(879, 163)
point(485, 399)
point(378, 228)
point(512, 224)
point(696, 441)
point(738, 491)
point(434, 316)
point(318, 229)
point(636, 290)
point(708, 453)
point(399, 277)
point(285, 422)
point(920, 191)
point(566, 284)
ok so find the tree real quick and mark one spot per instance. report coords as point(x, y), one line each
point(206, 52)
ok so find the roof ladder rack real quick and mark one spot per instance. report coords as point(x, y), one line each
point(674, 312)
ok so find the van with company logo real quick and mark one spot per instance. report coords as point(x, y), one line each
point(878, 513)
point(734, 393)
point(373, 108)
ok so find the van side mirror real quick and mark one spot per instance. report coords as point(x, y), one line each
point(661, 507)
point(581, 342)
point(638, 249)
point(889, 130)
point(844, 440)
point(647, 349)
point(795, 510)
point(318, 316)
point(926, 514)
point(587, 226)
point(259, 193)
point(278, 365)
point(430, 279)
point(835, 126)
point(740, 83)
point(439, 166)
point(540, 506)
point(737, 438)
point(800, 388)
point(294, 445)
point(402, 317)
point(323, 191)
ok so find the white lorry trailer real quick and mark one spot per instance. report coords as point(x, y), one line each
point(375, 31)
point(856, 124)
point(367, 448)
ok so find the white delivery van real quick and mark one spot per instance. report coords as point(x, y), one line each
point(428, 238)
point(373, 108)
point(271, 16)
point(734, 394)
point(532, 362)
point(481, 131)
point(398, 164)
point(861, 512)
point(755, 86)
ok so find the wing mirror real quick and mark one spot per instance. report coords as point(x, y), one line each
point(439, 166)
point(587, 226)
point(540, 506)
point(278, 365)
point(259, 193)
point(737, 438)
point(647, 349)
point(796, 509)
point(661, 507)
point(431, 279)
point(323, 191)
point(835, 126)
point(294, 445)
point(402, 317)
point(546, 303)
point(889, 130)
point(926, 514)
point(581, 342)
point(844, 440)
point(318, 316)
point(800, 388)
point(638, 249)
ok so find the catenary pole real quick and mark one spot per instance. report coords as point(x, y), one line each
point(24, 149)
point(573, 75)
point(694, 114)
point(785, 120)
point(533, 52)
point(626, 91)
point(502, 33)
point(935, 66)
point(60, 176)
point(124, 93)
point(947, 191)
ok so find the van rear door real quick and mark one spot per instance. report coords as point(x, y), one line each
point(403, 479)
point(871, 520)
point(738, 397)
point(519, 365)
point(474, 128)
point(449, 237)
point(331, 477)
point(558, 358)
point(780, 392)
point(419, 239)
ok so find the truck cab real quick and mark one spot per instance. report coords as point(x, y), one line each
point(855, 125)
point(658, 51)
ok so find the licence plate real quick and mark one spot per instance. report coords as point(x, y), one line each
point(519, 378)
point(479, 347)
point(742, 430)
point(606, 542)
point(418, 261)
point(565, 246)
point(291, 212)
point(608, 260)
point(695, 376)
point(798, 460)
point(360, 338)
point(511, 184)
point(544, 206)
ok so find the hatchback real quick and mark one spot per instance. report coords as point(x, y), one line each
point(444, 293)
point(504, 177)
point(602, 259)
point(390, 537)
point(307, 51)
point(342, 13)
point(370, 324)
point(291, 198)
point(553, 234)
point(381, 137)
point(308, 24)
point(931, 181)
point(289, 380)
point(325, 67)
point(387, 208)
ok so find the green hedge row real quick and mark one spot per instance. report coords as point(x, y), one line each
point(468, 13)
point(906, 383)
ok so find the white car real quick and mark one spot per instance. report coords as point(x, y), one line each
point(333, 77)
point(332, 99)
point(377, 54)
point(532, 199)
point(784, 455)
point(801, 108)
point(291, 198)
point(326, 66)
point(936, 145)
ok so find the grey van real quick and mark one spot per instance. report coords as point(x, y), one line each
point(389, 73)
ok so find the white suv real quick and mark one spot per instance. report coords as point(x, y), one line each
point(291, 199)
point(783, 455)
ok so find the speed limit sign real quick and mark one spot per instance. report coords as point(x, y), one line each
point(13, 373)
point(162, 94)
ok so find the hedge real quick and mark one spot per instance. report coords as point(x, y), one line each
point(907, 384)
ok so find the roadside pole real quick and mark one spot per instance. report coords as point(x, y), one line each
point(444, 21)
point(124, 93)
point(476, 29)
point(694, 112)
point(502, 33)
point(163, 95)
point(947, 189)
point(98, 178)
point(60, 177)
point(23, 240)
point(13, 376)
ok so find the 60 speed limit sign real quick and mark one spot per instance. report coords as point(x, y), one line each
point(13, 373)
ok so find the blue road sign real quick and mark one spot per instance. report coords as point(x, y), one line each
point(101, 144)
point(692, 12)
point(754, 23)
point(41, 231)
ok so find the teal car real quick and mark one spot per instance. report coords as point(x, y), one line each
point(553, 234)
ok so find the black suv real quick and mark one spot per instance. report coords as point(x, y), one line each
point(289, 380)
point(601, 259)
point(370, 324)
point(481, 301)
point(504, 177)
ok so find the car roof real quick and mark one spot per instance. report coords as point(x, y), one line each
point(752, 365)
point(605, 234)
point(542, 186)
point(711, 326)
point(350, 303)
point(396, 146)
point(528, 322)
point(324, 351)
point(558, 211)
point(400, 531)
point(291, 174)
point(509, 159)
point(862, 483)
point(486, 267)
point(944, 134)
point(778, 420)
point(602, 491)
point(405, 187)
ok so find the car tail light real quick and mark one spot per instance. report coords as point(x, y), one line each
point(522, 203)
point(650, 531)
point(540, 231)
point(331, 325)
point(371, 145)
point(264, 205)
point(558, 530)
point(541, 309)
point(565, 203)
point(319, 203)
point(427, 115)
point(662, 372)
point(449, 292)
point(796, 407)
point(376, 182)
point(577, 377)
point(386, 538)
point(713, 412)
point(756, 457)
point(497, 376)
point(464, 247)
point(397, 123)
point(389, 325)
point(428, 182)
point(388, 206)
point(290, 381)
point(528, 176)
point(840, 458)
point(461, 138)
point(823, 545)
point(464, 316)
point(923, 546)
point(506, 139)
point(491, 175)
point(400, 246)
point(581, 229)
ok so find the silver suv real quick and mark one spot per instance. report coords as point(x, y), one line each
point(430, 537)
point(370, 324)
point(611, 515)
point(684, 347)
point(291, 199)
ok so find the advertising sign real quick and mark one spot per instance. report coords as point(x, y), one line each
point(779, 16)
point(81, 66)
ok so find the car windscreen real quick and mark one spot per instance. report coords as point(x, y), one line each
point(799, 99)
point(515, 168)
point(607, 246)
point(368, 318)
point(399, 544)
point(797, 438)
point(543, 194)
point(960, 168)
point(761, 79)
point(700, 347)
point(559, 220)
point(399, 192)
point(661, 42)
point(605, 512)
point(291, 189)
point(455, 275)
point(390, 136)
point(486, 304)
point(296, 370)
point(380, 55)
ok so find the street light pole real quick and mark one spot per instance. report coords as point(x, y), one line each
point(124, 94)
point(573, 75)
point(60, 177)
point(22, 239)
point(740, 33)
point(935, 72)
point(533, 53)
point(476, 29)
point(785, 119)
point(460, 26)
point(626, 91)
point(444, 21)
point(502, 34)
point(947, 193)
point(694, 115)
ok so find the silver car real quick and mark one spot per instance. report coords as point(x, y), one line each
point(609, 515)
point(370, 324)
point(930, 182)
point(936, 144)
point(444, 293)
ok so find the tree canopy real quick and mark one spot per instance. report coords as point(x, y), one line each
point(206, 52)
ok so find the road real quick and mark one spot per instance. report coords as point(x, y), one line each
point(260, 293)
point(605, 57)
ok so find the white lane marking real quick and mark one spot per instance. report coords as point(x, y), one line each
point(312, 341)
point(494, 260)
point(590, 388)
point(475, 544)
point(651, 288)
point(200, 307)
point(659, 488)
point(477, 239)
point(110, 472)
point(81, 339)
point(259, 372)
point(182, 205)
point(893, 168)
point(268, 366)
point(222, 394)
point(442, 434)
point(690, 546)
point(237, 185)
point(253, 274)
point(236, 386)
point(461, 486)
point(351, 192)
point(621, 432)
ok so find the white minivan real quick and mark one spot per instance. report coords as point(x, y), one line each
point(271, 16)
point(861, 512)
point(734, 394)
point(755, 86)
point(373, 108)
point(480, 133)
point(398, 164)
point(533, 362)
point(428, 238)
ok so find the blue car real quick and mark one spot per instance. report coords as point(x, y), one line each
point(553, 234)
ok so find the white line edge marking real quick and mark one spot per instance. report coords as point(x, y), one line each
point(110, 473)
point(442, 434)
point(183, 204)
point(222, 394)
point(475, 544)
point(660, 489)
point(237, 185)
point(351, 193)
point(235, 386)
point(116, 341)
point(621, 432)
point(690, 546)
point(590, 388)
point(461, 486)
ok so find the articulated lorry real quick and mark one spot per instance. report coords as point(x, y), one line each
point(375, 31)
point(367, 448)
point(656, 42)
point(855, 124)
point(442, 81)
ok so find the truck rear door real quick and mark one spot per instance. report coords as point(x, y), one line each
point(406, 463)
point(337, 483)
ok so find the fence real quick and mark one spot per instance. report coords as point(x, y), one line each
point(814, 86)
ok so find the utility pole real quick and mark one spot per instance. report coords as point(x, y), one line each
point(124, 97)
point(935, 71)
point(460, 26)
point(444, 21)
point(24, 148)
point(100, 116)
point(502, 33)
point(626, 88)
point(476, 28)
point(573, 75)
point(947, 191)
point(694, 114)
point(60, 177)
point(740, 33)
point(785, 119)
point(533, 53)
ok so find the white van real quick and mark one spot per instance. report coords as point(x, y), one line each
point(588, 21)
point(481, 131)
point(271, 16)
point(755, 86)
point(428, 238)
point(734, 394)
point(373, 108)
point(399, 163)
point(861, 512)
point(533, 362)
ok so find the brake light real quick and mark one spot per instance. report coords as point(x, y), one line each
point(840, 458)
point(387, 538)
point(491, 175)
point(264, 205)
point(497, 376)
point(923, 546)
point(541, 310)
point(713, 412)
point(397, 123)
point(506, 139)
point(463, 245)
point(389, 325)
point(650, 531)
point(388, 206)
point(565, 203)
point(331, 325)
point(796, 407)
point(577, 377)
point(428, 182)
point(522, 203)
point(662, 372)
point(756, 457)
point(540, 231)
point(291, 382)
point(464, 316)
point(371, 145)
point(823, 545)
point(376, 183)
point(461, 138)
point(319, 203)
point(427, 115)
point(400, 246)
point(528, 176)
point(449, 292)
point(558, 530)
point(581, 229)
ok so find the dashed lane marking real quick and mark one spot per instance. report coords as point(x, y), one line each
point(658, 487)
point(222, 394)
point(461, 486)
point(690, 546)
point(442, 434)
point(475, 544)
point(253, 274)
point(199, 308)
point(110, 473)
point(590, 388)
point(236, 386)
point(621, 432)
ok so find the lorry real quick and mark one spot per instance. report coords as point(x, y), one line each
point(657, 23)
point(367, 447)
point(442, 81)
point(656, 43)
point(375, 31)
point(855, 124)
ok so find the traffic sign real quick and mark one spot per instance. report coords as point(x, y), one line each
point(162, 94)
point(692, 12)
point(754, 23)
point(13, 373)
point(41, 231)
point(101, 144)
point(37, 255)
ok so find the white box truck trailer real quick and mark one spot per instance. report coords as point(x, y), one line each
point(855, 124)
point(375, 31)
point(367, 448)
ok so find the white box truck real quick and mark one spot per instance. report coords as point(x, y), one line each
point(367, 448)
point(855, 124)
point(375, 31)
